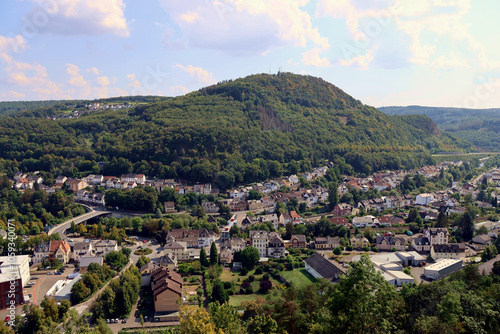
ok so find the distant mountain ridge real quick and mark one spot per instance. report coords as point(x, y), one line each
point(481, 127)
point(240, 130)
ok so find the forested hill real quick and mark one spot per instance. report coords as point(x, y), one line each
point(479, 126)
point(236, 131)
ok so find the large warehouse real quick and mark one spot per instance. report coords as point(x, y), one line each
point(442, 268)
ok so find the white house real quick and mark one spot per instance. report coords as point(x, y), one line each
point(424, 199)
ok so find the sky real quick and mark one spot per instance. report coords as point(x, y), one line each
point(443, 53)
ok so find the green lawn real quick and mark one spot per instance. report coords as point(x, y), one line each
point(299, 277)
point(236, 300)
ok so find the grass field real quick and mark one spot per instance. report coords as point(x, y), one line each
point(236, 300)
point(299, 277)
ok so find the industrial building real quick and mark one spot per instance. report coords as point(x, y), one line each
point(442, 268)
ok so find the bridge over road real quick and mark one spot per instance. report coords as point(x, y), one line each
point(61, 228)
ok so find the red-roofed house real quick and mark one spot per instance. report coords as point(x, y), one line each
point(340, 221)
point(55, 249)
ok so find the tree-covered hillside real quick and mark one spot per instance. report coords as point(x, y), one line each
point(481, 127)
point(235, 131)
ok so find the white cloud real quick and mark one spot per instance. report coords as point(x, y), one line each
point(76, 17)
point(103, 81)
point(243, 27)
point(31, 78)
point(313, 58)
point(93, 70)
point(361, 61)
point(448, 63)
point(12, 95)
point(76, 79)
point(12, 44)
point(198, 74)
point(178, 90)
point(132, 81)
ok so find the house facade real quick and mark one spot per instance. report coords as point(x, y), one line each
point(54, 249)
point(359, 242)
point(298, 241)
point(166, 285)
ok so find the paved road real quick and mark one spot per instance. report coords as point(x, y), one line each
point(61, 228)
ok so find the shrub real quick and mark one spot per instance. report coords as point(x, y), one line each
point(227, 285)
point(258, 271)
point(280, 267)
point(265, 277)
point(375, 249)
point(242, 291)
point(245, 284)
point(394, 250)
point(265, 285)
point(243, 271)
point(366, 249)
point(337, 251)
point(251, 278)
point(349, 248)
point(249, 291)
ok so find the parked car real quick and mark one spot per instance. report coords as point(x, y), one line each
point(58, 273)
point(50, 273)
point(144, 241)
point(124, 320)
point(107, 321)
point(70, 240)
point(117, 320)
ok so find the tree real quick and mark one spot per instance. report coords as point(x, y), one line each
point(337, 251)
point(203, 258)
point(196, 321)
point(219, 294)
point(262, 324)
point(442, 220)
point(467, 225)
point(234, 231)
point(142, 261)
point(250, 257)
point(198, 211)
point(489, 253)
point(214, 257)
point(496, 268)
point(265, 285)
point(333, 195)
point(364, 302)
point(290, 230)
point(225, 317)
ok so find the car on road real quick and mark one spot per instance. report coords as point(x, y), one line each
point(50, 273)
point(7, 319)
point(70, 240)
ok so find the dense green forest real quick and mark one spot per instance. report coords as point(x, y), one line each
point(230, 133)
point(481, 127)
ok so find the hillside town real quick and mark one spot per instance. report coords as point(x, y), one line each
point(400, 252)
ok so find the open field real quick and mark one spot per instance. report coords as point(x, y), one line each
point(236, 300)
point(299, 277)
